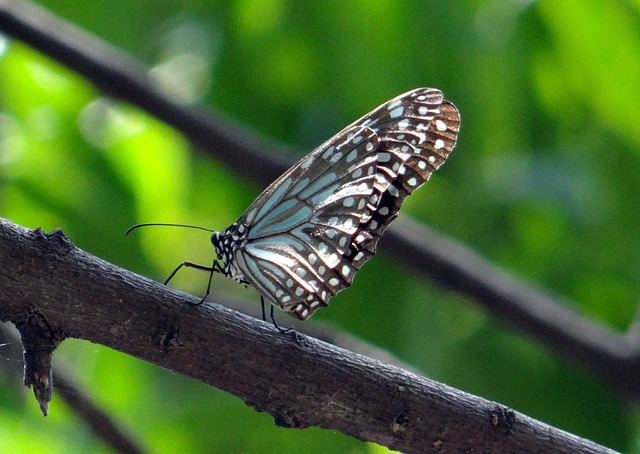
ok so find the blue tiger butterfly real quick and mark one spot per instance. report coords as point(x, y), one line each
point(303, 239)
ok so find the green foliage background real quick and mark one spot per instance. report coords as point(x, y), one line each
point(544, 182)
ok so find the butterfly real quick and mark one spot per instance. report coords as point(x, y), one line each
point(303, 239)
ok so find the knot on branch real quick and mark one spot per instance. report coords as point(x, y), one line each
point(56, 243)
point(503, 418)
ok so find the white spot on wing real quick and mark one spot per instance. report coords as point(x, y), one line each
point(349, 202)
point(441, 125)
point(329, 152)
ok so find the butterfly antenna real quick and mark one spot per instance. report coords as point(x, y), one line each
point(137, 226)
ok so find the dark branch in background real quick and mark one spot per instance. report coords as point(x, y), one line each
point(124, 78)
point(612, 356)
point(101, 423)
point(299, 380)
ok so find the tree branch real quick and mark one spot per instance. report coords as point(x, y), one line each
point(610, 355)
point(299, 380)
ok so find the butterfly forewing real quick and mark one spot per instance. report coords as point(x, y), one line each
point(305, 236)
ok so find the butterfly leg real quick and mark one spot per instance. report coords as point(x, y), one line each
point(289, 330)
point(264, 316)
point(215, 267)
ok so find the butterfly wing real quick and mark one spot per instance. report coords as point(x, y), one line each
point(307, 234)
point(417, 132)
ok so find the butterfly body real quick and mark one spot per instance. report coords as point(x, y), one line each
point(303, 239)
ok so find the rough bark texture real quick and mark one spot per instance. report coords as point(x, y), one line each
point(299, 380)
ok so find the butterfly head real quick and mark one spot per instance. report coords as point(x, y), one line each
point(225, 244)
point(216, 240)
point(222, 246)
